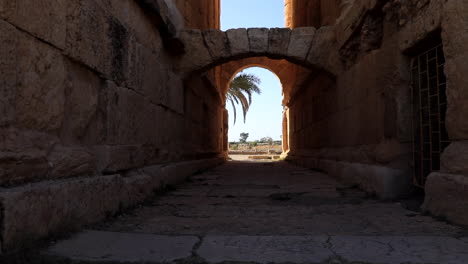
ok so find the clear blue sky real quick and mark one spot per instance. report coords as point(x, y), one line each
point(264, 118)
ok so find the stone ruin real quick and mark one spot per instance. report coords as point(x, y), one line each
point(103, 102)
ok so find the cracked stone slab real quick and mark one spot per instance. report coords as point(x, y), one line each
point(265, 249)
point(400, 249)
point(97, 246)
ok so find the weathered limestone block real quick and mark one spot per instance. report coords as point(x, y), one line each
point(81, 99)
point(64, 206)
point(127, 116)
point(351, 17)
point(139, 187)
point(29, 156)
point(238, 41)
point(8, 44)
point(323, 53)
point(457, 96)
point(278, 41)
point(387, 183)
point(454, 159)
point(89, 36)
point(175, 93)
point(40, 91)
point(217, 43)
point(45, 19)
point(390, 150)
point(416, 30)
point(169, 13)
point(197, 56)
point(455, 27)
point(111, 159)
point(58, 206)
point(300, 43)
point(455, 39)
point(446, 196)
point(67, 162)
point(258, 40)
point(149, 75)
point(17, 168)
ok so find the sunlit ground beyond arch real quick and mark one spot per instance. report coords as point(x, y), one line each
point(264, 118)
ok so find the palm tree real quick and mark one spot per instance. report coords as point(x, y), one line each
point(240, 91)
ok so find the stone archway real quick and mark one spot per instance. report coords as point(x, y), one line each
point(305, 46)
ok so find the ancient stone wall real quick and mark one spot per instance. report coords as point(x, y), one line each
point(311, 13)
point(203, 14)
point(358, 126)
point(93, 116)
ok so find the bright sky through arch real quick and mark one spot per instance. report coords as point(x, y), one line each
point(264, 118)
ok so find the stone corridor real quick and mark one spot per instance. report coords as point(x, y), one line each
point(274, 212)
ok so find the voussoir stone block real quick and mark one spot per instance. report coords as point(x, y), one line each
point(258, 40)
point(300, 43)
point(238, 41)
point(278, 41)
point(197, 56)
point(321, 54)
point(217, 43)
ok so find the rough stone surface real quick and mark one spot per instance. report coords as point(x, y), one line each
point(217, 43)
point(198, 55)
point(264, 249)
point(57, 210)
point(300, 42)
point(67, 162)
point(455, 158)
point(88, 37)
point(281, 200)
point(238, 41)
point(112, 159)
point(400, 249)
point(278, 41)
point(44, 19)
point(107, 246)
point(40, 91)
point(387, 183)
point(258, 40)
point(245, 212)
point(321, 48)
point(446, 196)
point(8, 45)
point(81, 101)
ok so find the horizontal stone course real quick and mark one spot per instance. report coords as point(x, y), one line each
point(65, 205)
point(446, 196)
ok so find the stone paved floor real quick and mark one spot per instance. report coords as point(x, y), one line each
point(273, 212)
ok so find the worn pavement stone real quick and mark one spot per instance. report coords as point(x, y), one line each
point(124, 247)
point(264, 249)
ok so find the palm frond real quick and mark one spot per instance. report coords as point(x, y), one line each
point(242, 85)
